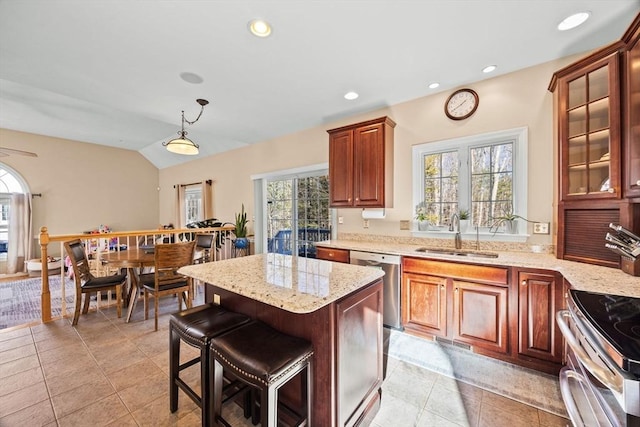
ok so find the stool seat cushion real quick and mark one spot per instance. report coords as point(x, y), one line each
point(199, 324)
point(259, 353)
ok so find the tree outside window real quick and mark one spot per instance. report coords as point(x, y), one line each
point(485, 175)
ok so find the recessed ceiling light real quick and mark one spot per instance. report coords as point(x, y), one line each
point(573, 21)
point(434, 85)
point(351, 96)
point(489, 68)
point(259, 28)
point(191, 78)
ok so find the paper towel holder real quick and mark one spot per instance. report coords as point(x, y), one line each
point(375, 213)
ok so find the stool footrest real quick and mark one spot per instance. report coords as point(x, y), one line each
point(191, 362)
point(189, 391)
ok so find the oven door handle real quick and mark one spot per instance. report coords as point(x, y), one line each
point(603, 375)
point(565, 389)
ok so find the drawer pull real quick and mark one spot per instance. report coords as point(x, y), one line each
point(524, 283)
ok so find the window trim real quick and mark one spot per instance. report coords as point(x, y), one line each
point(463, 144)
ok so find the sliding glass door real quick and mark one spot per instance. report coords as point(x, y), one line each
point(298, 214)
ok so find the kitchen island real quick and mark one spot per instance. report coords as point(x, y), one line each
point(338, 307)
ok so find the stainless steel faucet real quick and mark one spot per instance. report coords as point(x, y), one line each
point(455, 219)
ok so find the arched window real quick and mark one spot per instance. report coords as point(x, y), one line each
point(10, 182)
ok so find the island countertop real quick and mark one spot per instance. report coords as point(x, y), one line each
point(295, 284)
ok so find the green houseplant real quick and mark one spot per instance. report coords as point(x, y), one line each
point(240, 231)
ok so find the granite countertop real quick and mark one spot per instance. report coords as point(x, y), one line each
point(295, 284)
point(581, 276)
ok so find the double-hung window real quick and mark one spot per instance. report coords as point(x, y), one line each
point(484, 176)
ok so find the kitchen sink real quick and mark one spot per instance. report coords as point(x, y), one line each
point(458, 252)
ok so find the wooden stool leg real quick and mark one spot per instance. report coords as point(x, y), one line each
point(216, 373)
point(206, 379)
point(174, 363)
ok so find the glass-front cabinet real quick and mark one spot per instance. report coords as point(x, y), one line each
point(589, 131)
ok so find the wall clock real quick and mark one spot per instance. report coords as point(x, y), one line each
point(461, 104)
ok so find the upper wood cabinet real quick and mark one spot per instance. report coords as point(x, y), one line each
point(598, 129)
point(631, 70)
point(361, 164)
point(588, 100)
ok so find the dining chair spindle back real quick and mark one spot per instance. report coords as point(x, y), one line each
point(165, 280)
point(86, 283)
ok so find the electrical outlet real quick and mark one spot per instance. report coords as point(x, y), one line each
point(540, 228)
point(340, 220)
point(365, 223)
point(405, 224)
point(216, 299)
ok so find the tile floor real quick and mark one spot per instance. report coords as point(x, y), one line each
point(107, 372)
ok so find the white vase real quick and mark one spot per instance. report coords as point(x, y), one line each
point(464, 225)
point(423, 225)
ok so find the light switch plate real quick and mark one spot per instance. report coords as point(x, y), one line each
point(405, 224)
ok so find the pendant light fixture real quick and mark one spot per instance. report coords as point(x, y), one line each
point(182, 144)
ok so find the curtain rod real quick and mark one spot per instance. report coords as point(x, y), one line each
point(209, 182)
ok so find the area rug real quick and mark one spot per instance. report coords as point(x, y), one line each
point(20, 300)
point(518, 383)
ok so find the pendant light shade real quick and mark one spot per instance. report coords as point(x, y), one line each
point(182, 144)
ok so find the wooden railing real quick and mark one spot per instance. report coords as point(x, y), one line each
point(97, 245)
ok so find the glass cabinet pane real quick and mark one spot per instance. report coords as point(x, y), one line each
point(577, 92)
point(599, 115)
point(577, 121)
point(599, 84)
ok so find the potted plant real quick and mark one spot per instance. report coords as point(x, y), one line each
point(241, 241)
point(509, 221)
point(422, 217)
point(464, 220)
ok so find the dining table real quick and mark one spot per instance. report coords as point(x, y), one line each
point(134, 259)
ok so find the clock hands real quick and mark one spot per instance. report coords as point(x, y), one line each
point(459, 105)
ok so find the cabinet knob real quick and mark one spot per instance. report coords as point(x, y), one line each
point(523, 283)
point(442, 287)
point(638, 182)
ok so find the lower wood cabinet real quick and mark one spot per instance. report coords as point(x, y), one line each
point(460, 302)
point(480, 315)
point(540, 297)
point(504, 312)
point(332, 254)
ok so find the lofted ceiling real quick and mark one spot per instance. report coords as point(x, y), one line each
point(109, 71)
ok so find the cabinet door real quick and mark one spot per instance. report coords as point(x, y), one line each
point(589, 131)
point(359, 352)
point(424, 307)
point(369, 167)
point(540, 297)
point(632, 115)
point(480, 315)
point(341, 169)
point(332, 254)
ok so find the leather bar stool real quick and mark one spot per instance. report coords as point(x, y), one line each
point(265, 359)
point(197, 326)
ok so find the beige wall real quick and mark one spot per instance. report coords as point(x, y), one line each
point(122, 189)
point(513, 100)
point(84, 185)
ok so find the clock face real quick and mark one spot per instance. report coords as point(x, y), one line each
point(461, 104)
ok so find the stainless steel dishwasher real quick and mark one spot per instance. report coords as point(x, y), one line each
point(390, 264)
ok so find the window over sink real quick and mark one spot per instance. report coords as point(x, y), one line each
point(485, 175)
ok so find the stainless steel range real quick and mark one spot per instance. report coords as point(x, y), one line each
point(601, 383)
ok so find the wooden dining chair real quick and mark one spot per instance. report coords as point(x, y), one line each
point(87, 283)
point(204, 247)
point(165, 280)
